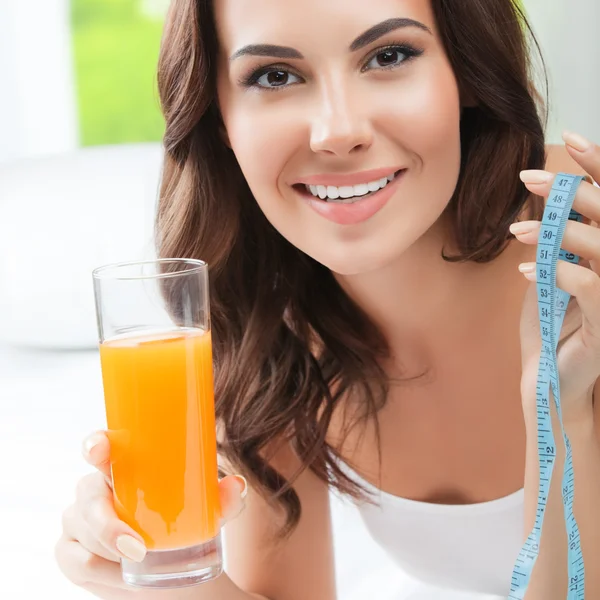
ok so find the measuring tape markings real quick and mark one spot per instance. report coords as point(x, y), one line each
point(552, 306)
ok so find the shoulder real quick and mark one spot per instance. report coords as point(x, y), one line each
point(558, 160)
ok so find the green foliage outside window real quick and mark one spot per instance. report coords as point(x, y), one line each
point(116, 45)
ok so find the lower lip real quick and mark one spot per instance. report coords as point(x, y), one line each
point(357, 212)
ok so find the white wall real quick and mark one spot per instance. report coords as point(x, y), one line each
point(568, 31)
point(37, 99)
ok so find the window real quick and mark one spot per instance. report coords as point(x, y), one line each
point(115, 47)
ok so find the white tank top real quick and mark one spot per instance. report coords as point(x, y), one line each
point(468, 548)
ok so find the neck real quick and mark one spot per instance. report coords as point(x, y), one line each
point(426, 307)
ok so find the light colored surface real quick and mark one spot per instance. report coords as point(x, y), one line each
point(38, 108)
point(48, 402)
point(567, 33)
point(62, 216)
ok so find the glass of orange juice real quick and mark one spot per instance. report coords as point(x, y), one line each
point(157, 372)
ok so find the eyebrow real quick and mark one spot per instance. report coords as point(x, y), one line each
point(364, 39)
point(379, 30)
point(266, 50)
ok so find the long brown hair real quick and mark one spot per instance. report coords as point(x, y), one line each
point(271, 305)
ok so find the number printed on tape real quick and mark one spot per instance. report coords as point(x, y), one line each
point(552, 306)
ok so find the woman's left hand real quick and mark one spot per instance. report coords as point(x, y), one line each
point(579, 345)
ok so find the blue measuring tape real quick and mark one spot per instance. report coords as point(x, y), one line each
point(552, 306)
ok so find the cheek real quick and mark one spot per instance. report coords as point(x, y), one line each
point(431, 129)
point(263, 141)
point(432, 120)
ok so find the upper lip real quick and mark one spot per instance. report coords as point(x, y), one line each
point(340, 179)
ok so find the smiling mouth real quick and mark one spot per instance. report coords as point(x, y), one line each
point(346, 194)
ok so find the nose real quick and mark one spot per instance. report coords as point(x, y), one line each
point(341, 126)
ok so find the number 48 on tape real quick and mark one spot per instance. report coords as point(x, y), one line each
point(552, 306)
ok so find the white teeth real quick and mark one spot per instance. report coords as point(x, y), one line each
point(361, 189)
point(333, 192)
point(344, 192)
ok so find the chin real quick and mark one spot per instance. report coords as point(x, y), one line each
point(360, 258)
point(355, 267)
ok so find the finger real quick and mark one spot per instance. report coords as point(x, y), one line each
point(584, 241)
point(587, 198)
point(232, 493)
point(579, 238)
point(96, 451)
point(526, 232)
point(581, 283)
point(77, 530)
point(95, 505)
point(83, 567)
point(586, 153)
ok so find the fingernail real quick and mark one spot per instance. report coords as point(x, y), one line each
point(90, 444)
point(522, 228)
point(576, 141)
point(243, 485)
point(131, 548)
point(529, 271)
point(528, 267)
point(535, 176)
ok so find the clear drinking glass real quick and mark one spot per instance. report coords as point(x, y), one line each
point(157, 372)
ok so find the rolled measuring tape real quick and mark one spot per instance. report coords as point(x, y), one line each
point(552, 306)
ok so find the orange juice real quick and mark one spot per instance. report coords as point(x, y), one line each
point(160, 413)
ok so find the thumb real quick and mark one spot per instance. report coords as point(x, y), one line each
point(96, 451)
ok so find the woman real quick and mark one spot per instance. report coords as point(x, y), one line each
point(350, 171)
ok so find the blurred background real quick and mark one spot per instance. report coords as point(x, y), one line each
point(80, 161)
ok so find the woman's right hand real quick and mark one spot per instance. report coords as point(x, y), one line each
point(94, 539)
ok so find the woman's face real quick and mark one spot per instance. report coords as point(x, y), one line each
point(325, 102)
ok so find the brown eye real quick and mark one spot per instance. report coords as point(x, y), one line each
point(390, 57)
point(387, 58)
point(276, 79)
